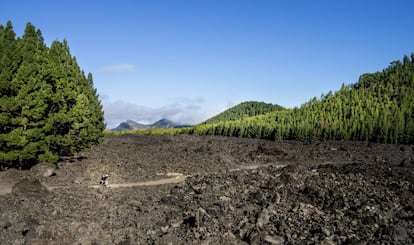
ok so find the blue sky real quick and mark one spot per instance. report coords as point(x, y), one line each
point(189, 60)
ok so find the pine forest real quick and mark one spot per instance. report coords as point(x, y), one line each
point(48, 106)
point(377, 108)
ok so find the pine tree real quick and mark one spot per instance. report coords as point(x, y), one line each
point(48, 107)
point(25, 116)
point(7, 69)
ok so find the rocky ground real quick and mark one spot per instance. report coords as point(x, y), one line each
point(238, 191)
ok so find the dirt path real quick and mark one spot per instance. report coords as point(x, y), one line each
point(177, 179)
point(252, 167)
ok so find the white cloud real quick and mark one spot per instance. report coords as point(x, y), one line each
point(183, 111)
point(119, 68)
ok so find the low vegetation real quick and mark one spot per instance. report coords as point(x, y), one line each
point(152, 131)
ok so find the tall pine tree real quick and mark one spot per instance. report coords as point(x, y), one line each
point(48, 108)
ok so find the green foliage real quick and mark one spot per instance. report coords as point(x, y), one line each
point(48, 107)
point(245, 109)
point(378, 108)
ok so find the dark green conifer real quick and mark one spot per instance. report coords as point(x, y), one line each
point(48, 107)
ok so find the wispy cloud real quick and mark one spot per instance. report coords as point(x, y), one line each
point(191, 112)
point(119, 68)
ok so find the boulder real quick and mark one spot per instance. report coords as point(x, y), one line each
point(43, 170)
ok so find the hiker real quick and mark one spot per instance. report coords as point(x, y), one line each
point(104, 180)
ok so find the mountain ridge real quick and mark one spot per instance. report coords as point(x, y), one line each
point(132, 125)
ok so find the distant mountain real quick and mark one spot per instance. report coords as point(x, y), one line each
point(130, 125)
point(163, 123)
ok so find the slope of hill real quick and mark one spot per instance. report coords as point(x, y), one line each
point(244, 109)
point(377, 108)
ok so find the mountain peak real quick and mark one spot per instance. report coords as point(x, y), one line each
point(132, 125)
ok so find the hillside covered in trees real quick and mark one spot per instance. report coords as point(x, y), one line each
point(377, 108)
point(243, 110)
point(48, 106)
